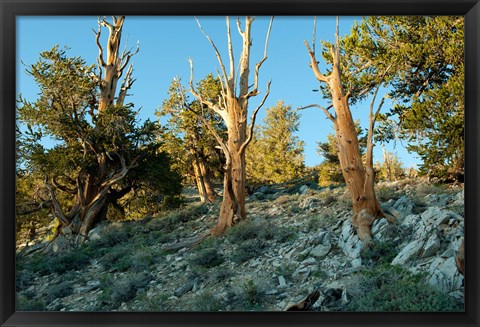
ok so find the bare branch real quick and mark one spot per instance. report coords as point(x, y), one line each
point(212, 130)
point(57, 208)
point(126, 55)
point(325, 110)
point(314, 65)
point(210, 104)
point(231, 76)
point(100, 60)
point(252, 121)
point(254, 92)
point(126, 85)
point(217, 53)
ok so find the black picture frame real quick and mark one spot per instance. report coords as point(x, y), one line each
point(9, 9)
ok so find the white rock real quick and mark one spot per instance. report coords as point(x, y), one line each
point(431, 246)
point(379, 226)
point(303, 189)
point(349, 242)
point(320, 250)
point(356, 263)
point(281, 281)
point(408, 252)
point(435, 216)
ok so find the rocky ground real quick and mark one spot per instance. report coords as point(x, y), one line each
point(298, 239)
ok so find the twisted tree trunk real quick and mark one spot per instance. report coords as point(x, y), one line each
point(360, 179)
point(233, 108)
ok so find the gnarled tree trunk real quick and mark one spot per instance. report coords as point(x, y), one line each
point(93, 191)
point(359, 178)
point(233, 108)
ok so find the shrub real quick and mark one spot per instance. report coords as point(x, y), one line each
point(381, 253)
point(25, 304)
point(58, 291)
point(248, 296)
point(207, 258)
point(391, 288)
point(122, 290)
point(206, 301)
point(243, 231)
point(247, 250)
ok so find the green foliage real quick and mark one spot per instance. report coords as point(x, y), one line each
point(275, 154)
point(57, 291)
point(207, 302)
point(391, 169)
point(89, 146)
point(427, 54)
point(391, 288)
point(381, 253)
point(187, 139)
point(124, 289)
point(23, 303)
point(207, 258)
point(247, 250)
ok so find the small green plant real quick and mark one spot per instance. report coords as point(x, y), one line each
point(247, 250)
point(122, 290)
point(58, 291)
point(23, 303)
point(253, 295)
point(207, 302)
point(380, 253)
point(207, 258)
point(392, 288)
point(155, 303)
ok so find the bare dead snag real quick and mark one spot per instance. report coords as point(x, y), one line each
point(114, 65)
point(233, 108)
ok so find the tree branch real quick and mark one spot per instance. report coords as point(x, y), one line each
point(252, 121)
point(209, 104)
point(219, 57)
point(325, 110)
point(57, 208)
point(314, 65)
point(254, 92)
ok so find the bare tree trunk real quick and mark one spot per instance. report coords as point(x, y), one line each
point(210, 193)
point(233, 108)
point(359, 179)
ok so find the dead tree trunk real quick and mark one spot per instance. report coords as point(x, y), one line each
point(114, 65)
point(233, 108)
point(359, 178)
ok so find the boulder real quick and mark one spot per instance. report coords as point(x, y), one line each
point(349, 241)
point(431, 247)
point(408, 253)
point(320, 250)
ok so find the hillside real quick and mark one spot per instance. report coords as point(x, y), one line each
point(298, 239)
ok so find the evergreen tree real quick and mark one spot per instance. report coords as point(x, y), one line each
point(276, 154)
point(98, 156)
point(427, 86)
point(188, 140)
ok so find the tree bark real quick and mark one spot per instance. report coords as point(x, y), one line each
point(359, 178)
point(233, 108)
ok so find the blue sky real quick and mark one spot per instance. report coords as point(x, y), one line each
point(166, 44)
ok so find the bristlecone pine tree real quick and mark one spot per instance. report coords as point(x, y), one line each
point(276, 154)
point(233, 108)
point(351, 78)
point(101, 153)
point(188, 140)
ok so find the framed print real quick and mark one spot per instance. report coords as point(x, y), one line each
point(182, 164)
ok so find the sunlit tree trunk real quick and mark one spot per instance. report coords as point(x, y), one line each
point(359, 178)
point(233, 108)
